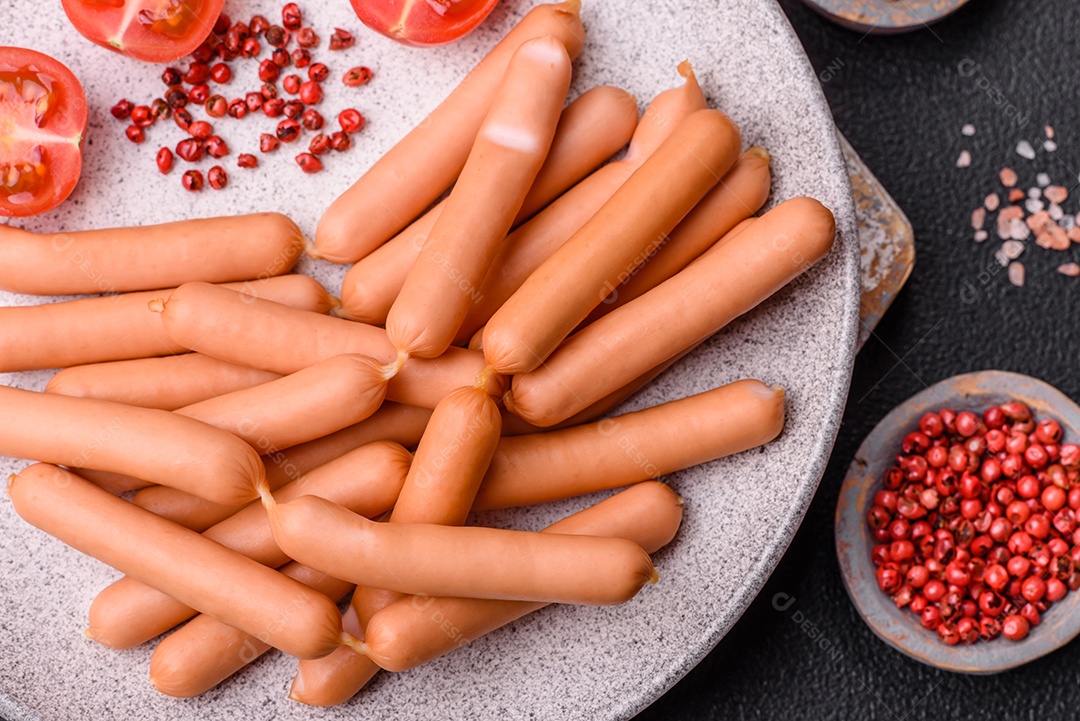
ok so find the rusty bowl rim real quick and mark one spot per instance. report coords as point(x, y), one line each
point(894, 17)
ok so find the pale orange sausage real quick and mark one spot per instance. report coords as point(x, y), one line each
point(128, 612)
point(622, 234)
point(272, 337)
point(195, 570)
point(393, 422)
point(633, 447)
point(206, 651)
point(120, 260)
point(724, 283)
point(93, 330)
point(508, 153)
point(303, 406)
point(413, 631)
point(158, 446)
point(449, 466)
point(168, 383)
point(529, 246)
point(423, 164)
point(591, 129)
point(719, 214)
point(473, 562)
point(510, 148)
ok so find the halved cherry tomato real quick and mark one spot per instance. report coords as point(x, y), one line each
point(42, 125)
point(157, 31)
point(423, 22)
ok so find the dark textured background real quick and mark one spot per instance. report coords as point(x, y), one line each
point(901, 101)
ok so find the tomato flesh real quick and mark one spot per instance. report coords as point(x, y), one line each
point(423, 22)
point(151, 30)
point(42, 123)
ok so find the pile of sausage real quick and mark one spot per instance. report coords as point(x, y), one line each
point(488, 333)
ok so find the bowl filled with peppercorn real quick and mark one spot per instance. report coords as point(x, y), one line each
point(957, 524)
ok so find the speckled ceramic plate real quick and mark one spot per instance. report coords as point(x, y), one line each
point(901, 629)
point(561, 663)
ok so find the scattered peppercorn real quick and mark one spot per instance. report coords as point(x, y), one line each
point(341, 39)
point(309, 163)
point(193, 181)
point(319, 145)
point(217, 177)
point(312, 119)
point(357, 77)
point(268, 143)
point(291, 17)
point(288, 130)
point(351, 121)
point(216, 106)
point(307, 38)
point(164, 160)
point(122, 110)
point(199, 93)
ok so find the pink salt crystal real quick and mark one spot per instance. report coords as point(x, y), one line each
point(1056, 194)
point(1074, 234)
point(1037, 221)
point(1016, 195)
point(1013, 212)
point(1070, 269)
point(1004, 228)
point(1049, 131)
point(964, 160)
point(1018, 229)
point(1016, 273)
point(1012, 249)
point(1043, 240)
point(992, 202)
point(978, 218)
point(1059, 239)
point(1008, 177)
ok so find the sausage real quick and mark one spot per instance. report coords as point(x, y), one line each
point(120, 260)
point(737, 197)
point(416, 171)
point(297, 408)
point(393, 422)
point(205, 651)
point(304, 406)
point(591, 129)
point(510, 148)
point(206, 319)
point(633, 447)
point(440, 487)
point(721, 285)
point(191, 568)
point(128, 612)
point(92, 330)
point(158, 446)
point(422, 558)
point(622, 234)
point(167, 383)
point(414, 630)
point(529, 246)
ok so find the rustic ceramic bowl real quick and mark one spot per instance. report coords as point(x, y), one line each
point(900, 628)
point(741, 513)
